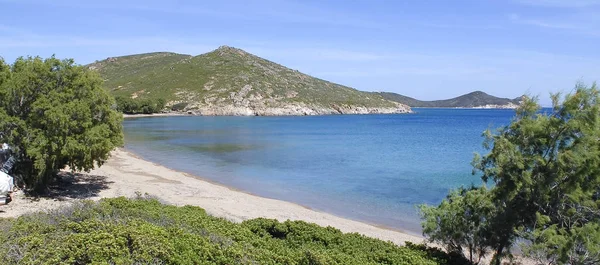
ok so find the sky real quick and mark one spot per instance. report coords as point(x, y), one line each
point(425, 49)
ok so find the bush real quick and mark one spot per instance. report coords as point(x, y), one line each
point(144, 231)
point(139, 106)
point(179, 106)
point(460, 223)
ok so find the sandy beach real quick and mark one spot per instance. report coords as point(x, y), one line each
point(124, 174)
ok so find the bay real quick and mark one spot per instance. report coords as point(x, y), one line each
point(372, 168)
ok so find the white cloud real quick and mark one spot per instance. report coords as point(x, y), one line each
point(98, 48)
point(585, 23)
point(541, 23)
point(452, 25)
point(6, 29)
point(315, 54)
point(561, 3)
point(574, 16)
point(430, 70)
point(277, 11)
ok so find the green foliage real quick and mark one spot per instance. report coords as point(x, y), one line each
point(144, 231)
point(439, 255)
point(545, 171)
point(179, 106)
point(129, 105)
point(214, 76)
point(55, 114)
point(557, 244)
point(460, 222)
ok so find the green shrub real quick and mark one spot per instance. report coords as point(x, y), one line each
point(144, 231)
point(129, 105)
point(179, 106)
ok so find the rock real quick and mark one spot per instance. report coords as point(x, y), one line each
point(510, 105)
point(295, 109)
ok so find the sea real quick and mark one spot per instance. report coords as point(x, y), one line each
point(370, 168)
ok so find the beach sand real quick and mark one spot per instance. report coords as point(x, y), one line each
point(124, 174)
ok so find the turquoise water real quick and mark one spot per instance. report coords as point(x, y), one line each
point(372, 168)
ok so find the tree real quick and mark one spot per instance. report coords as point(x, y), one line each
point(545, 171)
point(459, 223)
point(55, 114)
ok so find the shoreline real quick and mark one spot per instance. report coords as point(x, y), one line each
point(169, 114)
point(234, 189)
point(466, 108)
point(126, 174)
point(276, 209)
point(186, 114)
point(133, 116)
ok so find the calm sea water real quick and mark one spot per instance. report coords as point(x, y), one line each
point(372, 168)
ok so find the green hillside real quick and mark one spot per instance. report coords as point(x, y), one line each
point(230, 77)
point(470, 100)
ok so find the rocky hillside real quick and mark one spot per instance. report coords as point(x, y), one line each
point(475, 99)
point(230, 81)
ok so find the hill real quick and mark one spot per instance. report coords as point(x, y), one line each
point(230, 81)
point(477, 99)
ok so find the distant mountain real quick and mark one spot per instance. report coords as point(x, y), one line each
point(475, 99)
point(230, 81)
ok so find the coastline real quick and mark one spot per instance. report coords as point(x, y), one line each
point(468, 108)
point(125, 174)
point(167, 114)
point(182, 114)
point(188, 114)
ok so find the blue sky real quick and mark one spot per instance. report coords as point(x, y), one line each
point(421, 48)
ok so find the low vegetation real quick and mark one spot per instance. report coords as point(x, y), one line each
point(545, 196)
point(144, 231)
point(130, 105)
point(179, 106)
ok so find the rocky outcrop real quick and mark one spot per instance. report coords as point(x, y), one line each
point(298, 109)
point(248, 101)
point(496, 106)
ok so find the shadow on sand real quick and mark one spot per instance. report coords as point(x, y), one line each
point(70, 185)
